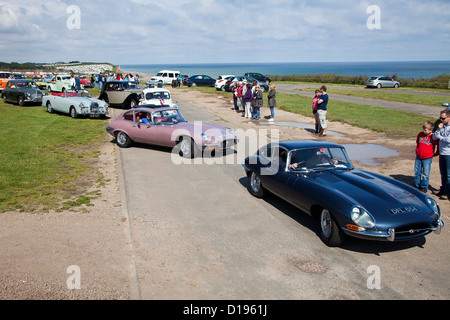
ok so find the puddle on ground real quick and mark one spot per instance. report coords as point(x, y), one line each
point(367, 153)
point(363, 153)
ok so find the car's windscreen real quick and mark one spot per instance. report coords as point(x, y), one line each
point(157, 95)
point(167, 117)
point(322, 158)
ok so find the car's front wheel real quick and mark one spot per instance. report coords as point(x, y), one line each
point(187, 147)
point(330, 232)
point(73, 112)
point(49, 107)
point(255, 185)
point(20, 101)
point(122, 139)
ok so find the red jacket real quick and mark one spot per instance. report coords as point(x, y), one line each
point(426, 147)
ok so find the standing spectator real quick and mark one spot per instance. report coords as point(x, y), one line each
point(258, 97)
point(77, 83)
point(98, 79)
point(248, 100)
point(92, 81)
point(442, 134)
point(322, 111)
point(103, 79)
point(272, 102)
point(243, 89)
point(426, 149)
point(314, 111)
point(72, 82)
point(234, 89)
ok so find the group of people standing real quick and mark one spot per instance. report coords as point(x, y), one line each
point(319, 109)
point(248, 99)
point(100, 79)
point(432, 141)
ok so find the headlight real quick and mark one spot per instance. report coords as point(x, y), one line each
point(205, 137)
point(81, 105)
point(434, 205)
point(362, 218)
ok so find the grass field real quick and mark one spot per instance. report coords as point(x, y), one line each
point(390, 122)
point(46, 159)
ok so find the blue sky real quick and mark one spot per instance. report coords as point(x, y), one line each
point(210, 31)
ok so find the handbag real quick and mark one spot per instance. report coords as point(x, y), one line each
point(255, 103)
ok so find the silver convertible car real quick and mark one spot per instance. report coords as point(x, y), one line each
point(75, 103)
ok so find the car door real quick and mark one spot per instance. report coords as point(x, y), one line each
point(142, 132)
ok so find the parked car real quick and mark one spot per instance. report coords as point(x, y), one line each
point(200, 80)
point(154, 84)
point(221, 81)
point(157, 96)
point(167, 127)
point(18, 76)
point(121, 93)
point(259, 77)
point(42, 85)
point(382, 82)
point(319, 179)
point(75, 103)
point(5, 76)
point(230, 82)
point(166, 76)
point(22, 92)
point(59, 83)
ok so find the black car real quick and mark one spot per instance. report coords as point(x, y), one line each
point(200, 80)
point(319, 179)
point(22, 92)
point(259, 77)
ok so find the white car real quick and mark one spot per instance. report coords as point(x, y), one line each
point(75, 104)
point(158, 97)
point(166, 76)
point(221, 81)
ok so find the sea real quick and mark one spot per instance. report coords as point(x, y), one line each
point(402, 69)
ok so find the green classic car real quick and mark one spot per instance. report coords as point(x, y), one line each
point(22, 91)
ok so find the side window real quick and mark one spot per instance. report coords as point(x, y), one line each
point(164, 74)
point(128, 116)
point(170, 75)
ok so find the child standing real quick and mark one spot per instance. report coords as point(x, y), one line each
point(426, 149)
point(314, 110)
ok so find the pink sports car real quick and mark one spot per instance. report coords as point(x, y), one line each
point(167, 127)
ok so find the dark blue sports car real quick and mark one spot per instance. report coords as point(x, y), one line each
point(318, 178)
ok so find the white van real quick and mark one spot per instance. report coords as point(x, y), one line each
point(166, 76)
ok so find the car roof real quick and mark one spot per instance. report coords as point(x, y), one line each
point(296, 144)
point(21, 80)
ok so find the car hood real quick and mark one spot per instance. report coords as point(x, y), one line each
point(383, 197)
point(208, 128)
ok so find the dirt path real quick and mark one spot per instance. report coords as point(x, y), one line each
point(42, 254)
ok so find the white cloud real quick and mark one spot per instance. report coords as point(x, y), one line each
point(184, 31)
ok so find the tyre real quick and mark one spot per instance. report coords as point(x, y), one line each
point(379, 86)
point(123, 140)
point(73, 112)
point(187, 147)
point(255, 187)
point(330, 232)
point(133, 103)
point(4, 98)
point(194, 84)
point(396, 86)
point(20, 101)
point(49, 107)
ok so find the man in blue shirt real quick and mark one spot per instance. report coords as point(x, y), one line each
point(322, 111)
point(442, 134)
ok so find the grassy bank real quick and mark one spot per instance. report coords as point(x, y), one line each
point(386, 121)
point(47, 159)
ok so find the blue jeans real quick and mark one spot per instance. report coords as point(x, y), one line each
point(422, 168)
point(444, 168)
point(256, 112)
point(272, 112)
